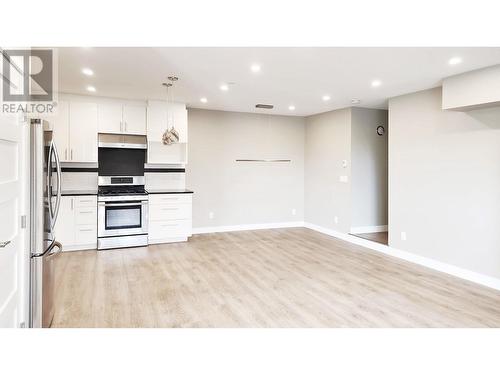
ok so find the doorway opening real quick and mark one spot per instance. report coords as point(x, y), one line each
point(369, 174)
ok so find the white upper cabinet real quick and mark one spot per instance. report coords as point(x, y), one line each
point(134, 119)
point(60, 127)
point(158, 153)
point(118, 118)
point(79, 119)
point(83, 132)
point(110, 117)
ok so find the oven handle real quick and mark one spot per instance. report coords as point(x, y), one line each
point(108, 204)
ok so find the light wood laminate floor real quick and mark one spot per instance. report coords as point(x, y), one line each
point(380, 237)
point(266, 278)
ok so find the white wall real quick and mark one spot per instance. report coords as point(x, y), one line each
point(368, 169)
point(476, 89)
point(328, 140)
point(244, 193)
point(444, 182)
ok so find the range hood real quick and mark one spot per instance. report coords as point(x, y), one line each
point(122, 141)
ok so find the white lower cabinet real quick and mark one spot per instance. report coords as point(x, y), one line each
point(76, 227)
point(170, 217)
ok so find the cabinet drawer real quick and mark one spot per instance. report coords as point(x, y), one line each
point(86, 215)
point(169, 212)
point(86, 201)
point(168, 229)
point(85, 234)
point(155, 199)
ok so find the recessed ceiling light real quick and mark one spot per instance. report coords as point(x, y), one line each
point(88, 72)
point(376, 83)
point(355, 101)
point(203, 100)
point(326, 98)
point(291, 108)
point(224, 87)
point(91, 88)
point(455, 60)
point(255, 68)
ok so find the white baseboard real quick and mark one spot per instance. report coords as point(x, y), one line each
point(234, 228)
point(167, 240)
point(369, 229)
point(462, 273)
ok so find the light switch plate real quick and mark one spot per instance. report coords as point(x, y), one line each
point(403, 236)
point(343, 179)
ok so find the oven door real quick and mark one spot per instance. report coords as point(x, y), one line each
point(122, 218)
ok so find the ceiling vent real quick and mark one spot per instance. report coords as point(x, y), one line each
point(264, 106)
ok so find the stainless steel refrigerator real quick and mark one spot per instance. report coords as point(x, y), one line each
point(45, 197)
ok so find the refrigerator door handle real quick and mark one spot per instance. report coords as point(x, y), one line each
point(59, 247)
point(49, 185)
point(59, 178)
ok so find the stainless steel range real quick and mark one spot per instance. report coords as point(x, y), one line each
point(122, 213)
point(122, 201)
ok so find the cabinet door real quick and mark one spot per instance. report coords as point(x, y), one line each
point(60, 126)
point(110, 118)
point(180, 121)
point(83, 132)
point(134, 119)
point(65, 224)
point(157, 122)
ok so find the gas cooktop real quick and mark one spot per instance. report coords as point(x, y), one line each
point(121, 190)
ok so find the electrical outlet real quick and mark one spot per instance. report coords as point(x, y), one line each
point(294, 211)
point(336, 219)
point(403, 236)
point(210, 215)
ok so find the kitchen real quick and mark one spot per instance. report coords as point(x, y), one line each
point(106, 150)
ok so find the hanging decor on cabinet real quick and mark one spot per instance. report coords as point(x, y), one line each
point(171, 135)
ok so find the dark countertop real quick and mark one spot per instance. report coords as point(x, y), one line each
point(79, 192)
point(169, 191)
point(150, 191)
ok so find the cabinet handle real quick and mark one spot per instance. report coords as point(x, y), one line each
point(86, 212)
point(86, 201)
point(121, 126)
point(71, 154)
point(71, 204)
point(85, 230)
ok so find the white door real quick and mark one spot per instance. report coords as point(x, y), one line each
point(60, 126)
point(134, 119)
point(13, 257)
point(83, 132)
point(110, 118)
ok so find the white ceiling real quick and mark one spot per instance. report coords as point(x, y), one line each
point(289, 76)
